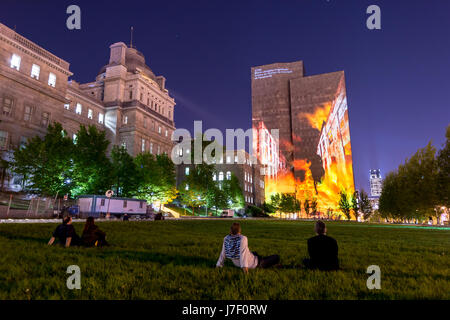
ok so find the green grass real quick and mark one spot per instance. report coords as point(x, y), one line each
point(176, 260)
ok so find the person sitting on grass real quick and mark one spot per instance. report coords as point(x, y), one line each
point(92, 236)
point(235, 247)
point(66, 234)
point(322, 249)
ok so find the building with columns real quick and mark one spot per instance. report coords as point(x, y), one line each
point(126, 99)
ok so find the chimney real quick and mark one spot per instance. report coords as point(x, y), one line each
point(118, 51)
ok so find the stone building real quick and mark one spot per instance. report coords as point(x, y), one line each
point(127, 99)
point(248, 174)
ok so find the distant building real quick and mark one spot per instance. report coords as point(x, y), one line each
point(250, 179)
point(126, 100)
point(376, 183)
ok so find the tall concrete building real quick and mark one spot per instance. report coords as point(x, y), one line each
point(127, 99)
point(376, 182)
point(311, 116)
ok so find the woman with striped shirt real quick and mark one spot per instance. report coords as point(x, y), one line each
point(235, 247)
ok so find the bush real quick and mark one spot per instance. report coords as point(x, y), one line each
point(268, 208)
point(254, 211)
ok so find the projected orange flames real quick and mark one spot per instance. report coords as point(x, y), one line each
point(338, 171)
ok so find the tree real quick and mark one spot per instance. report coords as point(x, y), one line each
point(365, 205)
point(354, 204)
point(124, 172)
point(344, 204)
point(47, 163)
point(306, 206)
point(156, 178)
point(275, 201)
point(233, 192)
point(91, 166)
point(314, 206)
point(443, 173)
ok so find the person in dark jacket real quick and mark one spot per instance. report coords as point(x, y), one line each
point(322, 249)
point(66, 234)
point(92, 235)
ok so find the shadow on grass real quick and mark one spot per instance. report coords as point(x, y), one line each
point(10, 236)
point(161, 258)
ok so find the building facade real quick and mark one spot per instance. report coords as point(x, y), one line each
point(248, 174)
point(126, 100)
point(376, 182)
point(308, 116)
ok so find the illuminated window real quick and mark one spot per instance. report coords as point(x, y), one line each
point(228, 159)
point(214, 177)
point(159, 149)
point(221, 176)
point(186, 171)
point(35, 70)
point(78, 108)
point(228, 175)
point(27, 113)
point(3, 140)
point(100, 118)
point(90, 114)
point(125, 119)
point(151, 147)
point(7, 106)
point(167, 132)
point(15, 62)
point(74, 138)
point(52, 80)
point(235, 159)
point(67, 106)
point(45, 119)
point(159, 130)
point(143, 145)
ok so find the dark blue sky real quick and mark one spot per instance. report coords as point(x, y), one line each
point(398, 78)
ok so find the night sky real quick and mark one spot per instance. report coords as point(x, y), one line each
point(398, 78)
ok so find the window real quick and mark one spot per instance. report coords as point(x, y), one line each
point(102, 202)
point(45, 119)
point(125, 119)
point(7, 106)
point(125, 203)
point(52, 80)
point(151, 147)
point(221, 160)
point(221, 176)
point(78, 108)
point(235, 159)
point(27, 113)
point(3, 140)
point(67, 106)
point(124, 144)
point(35, 70)
point(167, 133)
point(214, 177)
point(245, 176)
point(159, 130)
point(131, 95)
point(90, 114)
point(228, 159)
point(159, 149)
point(228, 175)
point(186, 171)
point(170, 114)
point(100, 118)
point(143, 145)
point(15, 62)
point(74, 138)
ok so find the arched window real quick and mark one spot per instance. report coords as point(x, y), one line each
point(228, 175)
point(220, 175)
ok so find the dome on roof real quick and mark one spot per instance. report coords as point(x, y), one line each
point(133, 59)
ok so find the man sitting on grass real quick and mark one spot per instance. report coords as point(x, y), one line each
point(66, 234)
point(322, 249)
point(235, 247)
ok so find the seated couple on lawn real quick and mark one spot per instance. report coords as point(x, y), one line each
point(92, 236)
point(322, 249)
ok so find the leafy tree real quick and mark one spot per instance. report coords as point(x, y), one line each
point(275, 201)
point(91, 166)
point(155, 178)
point(307, 207)
point(365, 205)
point(233, 191)
point(47, 163)
point(354, 204)
point(344, 204)
point(124, 172)
point(443, 173)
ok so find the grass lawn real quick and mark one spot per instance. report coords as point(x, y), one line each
point(176, 260)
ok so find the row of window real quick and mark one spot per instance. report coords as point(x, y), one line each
point(90, 113)
point(248, 188)
point(152, 104)
point(248, 177)
point(5, 139)
point(145, 143)
point(28, 111)
point(249, 199)
point(35, 70)
point(160, 129)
